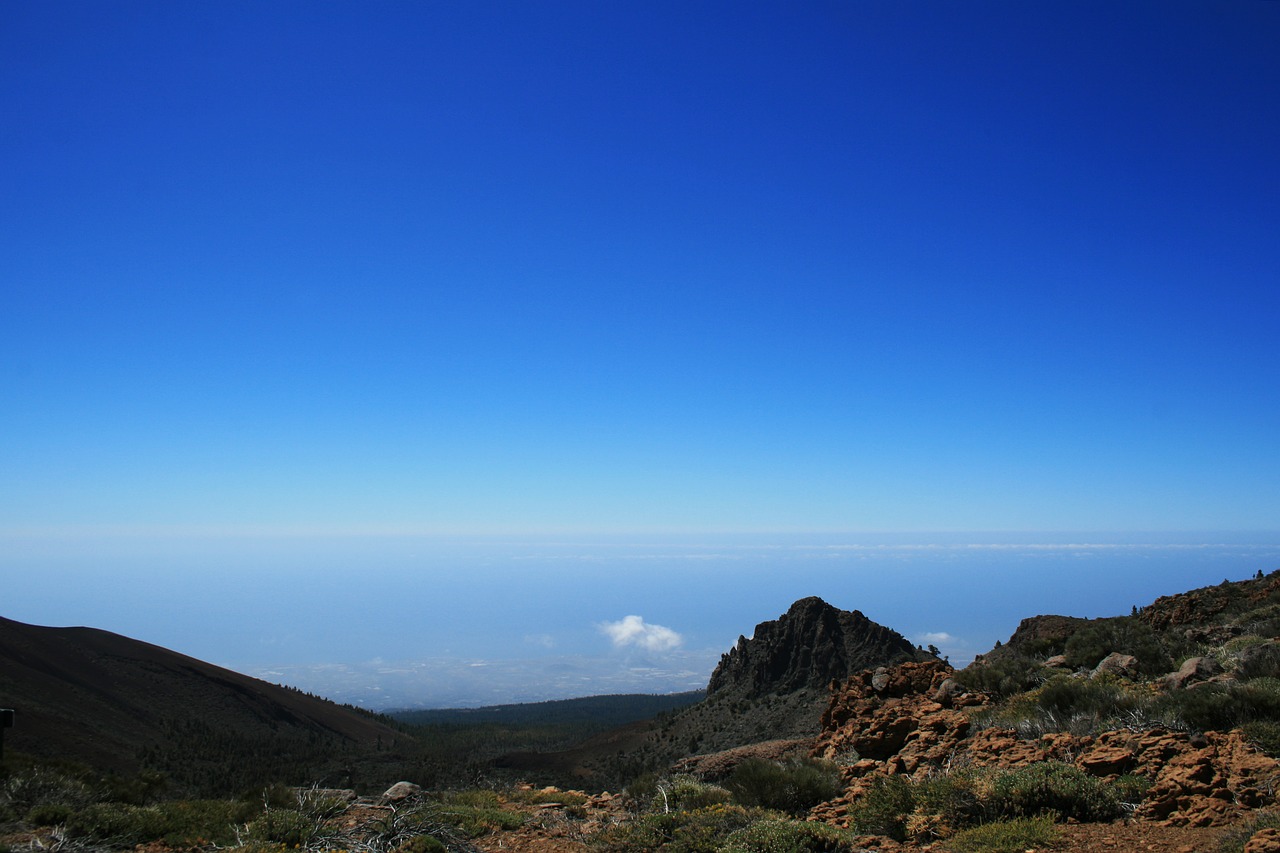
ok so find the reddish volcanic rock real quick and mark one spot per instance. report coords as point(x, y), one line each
point(890, 719)
point(1264, 841)
point(1212, 782)
point(892, 715)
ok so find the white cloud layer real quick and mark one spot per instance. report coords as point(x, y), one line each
point(935, 637)
point(634, 631)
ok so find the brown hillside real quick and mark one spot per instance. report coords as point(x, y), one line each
point(99, 698)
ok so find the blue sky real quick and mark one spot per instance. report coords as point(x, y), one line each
point(279, 275)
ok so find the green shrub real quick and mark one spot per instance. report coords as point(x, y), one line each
point(319, 806)
point(117, 823)
point(651, 793)
point(423, 844)
point(921, 810)
point(1222, 707)
point(884, 807)
point(704, 830)
point(43, 786)
point(640, 791)
point(275, 796)
point(1264, 735)
point(1130, 788)
point(1125, 634)
point(1006, 836)
point(1052, 787)
point(49, 814)
point(283, 826)
point(793, 788)
point(1004, 676)
point(137, 790)
point(789, 836)
point(943, 803)
point(1098, 697)
point(475, 821)
point(1236, 645)
point(185, 821)
point(1076, 705)
point(476, 798)
point(1208, 707)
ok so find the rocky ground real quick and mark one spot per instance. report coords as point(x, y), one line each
point(908, 719)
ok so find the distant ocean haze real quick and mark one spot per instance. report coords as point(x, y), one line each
point(433, 622)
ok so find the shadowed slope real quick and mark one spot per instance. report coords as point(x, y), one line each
point(100, 698)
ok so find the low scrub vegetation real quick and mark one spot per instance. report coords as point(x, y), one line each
point(793, 788)
point(1006, 836)
point(941, 806)
point(1086, 706)
point(724, 827)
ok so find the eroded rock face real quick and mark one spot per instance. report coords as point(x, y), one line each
point(810, 646)
point(1213, 780)
point(906, 716)
point(1264, 841)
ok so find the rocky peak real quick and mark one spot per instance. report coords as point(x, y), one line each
point(807, 648)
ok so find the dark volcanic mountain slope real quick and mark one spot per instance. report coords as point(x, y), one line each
point(810, 646)
point(774, 686)
point(108, 701)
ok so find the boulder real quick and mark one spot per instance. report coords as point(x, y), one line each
point(948, 691)
point(1193, 670)
point(1124, 666)
point(401, 792)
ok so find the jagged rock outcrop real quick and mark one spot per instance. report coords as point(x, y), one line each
point(898, 719)
point(775, 686)
point(810, 646)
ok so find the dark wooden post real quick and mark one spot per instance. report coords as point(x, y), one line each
point(6, 721)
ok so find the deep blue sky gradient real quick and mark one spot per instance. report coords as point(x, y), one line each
point(488, 268)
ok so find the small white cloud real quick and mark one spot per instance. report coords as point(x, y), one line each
point(545, 641)
point(634, 631)
point(936, 637)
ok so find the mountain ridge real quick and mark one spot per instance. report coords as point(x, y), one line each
point(115, 702)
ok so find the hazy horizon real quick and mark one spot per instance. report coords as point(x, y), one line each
point(409, 621)
point(591, 335)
